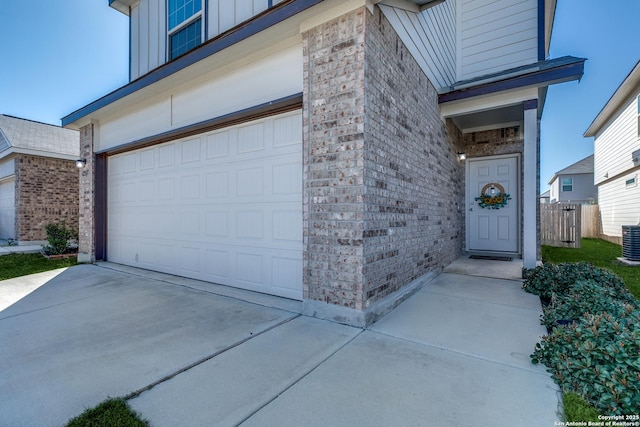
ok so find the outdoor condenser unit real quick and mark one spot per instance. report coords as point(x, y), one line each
point(631, 242)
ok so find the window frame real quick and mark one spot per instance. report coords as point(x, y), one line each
point(563, 185)
point(200, 15)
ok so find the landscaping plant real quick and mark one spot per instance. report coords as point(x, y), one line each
point(597, 355)
point(58, 236)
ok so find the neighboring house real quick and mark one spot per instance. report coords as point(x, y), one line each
point(545, 197)
point(574, 183)
point(38, 178)
point(616, 148)
point(312, 148)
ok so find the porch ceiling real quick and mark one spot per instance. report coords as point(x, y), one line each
point(505, 116)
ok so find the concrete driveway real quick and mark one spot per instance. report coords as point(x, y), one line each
point(196, 354)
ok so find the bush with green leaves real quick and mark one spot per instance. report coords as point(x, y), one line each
point(59, 236)
point(597, 357)
point(549, 278)
point(587, 296)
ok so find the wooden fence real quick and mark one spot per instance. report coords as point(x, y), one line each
point(564, 224)
point(560, 224)
point(590, 226)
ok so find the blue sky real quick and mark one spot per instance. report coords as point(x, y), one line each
point(63, 55)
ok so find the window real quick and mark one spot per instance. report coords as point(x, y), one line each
point(638, 100)
point(567, 184)
point(185, 26)
point(630, 183)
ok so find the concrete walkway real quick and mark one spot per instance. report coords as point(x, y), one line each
point(5, 248)
point(196, 354)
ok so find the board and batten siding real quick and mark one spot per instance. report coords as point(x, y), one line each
point(619, 204)
point(430, 37)
point(214, 95)
point(148, 37)
point(149, 28)
point(223, 15)
point(614, 145)
point(495, 36)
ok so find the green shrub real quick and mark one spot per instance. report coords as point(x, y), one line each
point(597, 357)
point(58, 236)
point(586, 296)
point(548, 279)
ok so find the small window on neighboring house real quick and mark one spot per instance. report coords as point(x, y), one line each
point(633, 182)
point(638, 115)
point(184, 21)
point(567, 184)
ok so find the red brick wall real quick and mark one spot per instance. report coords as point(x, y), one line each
point(46, 192)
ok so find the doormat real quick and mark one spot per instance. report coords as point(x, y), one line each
point(491, 258)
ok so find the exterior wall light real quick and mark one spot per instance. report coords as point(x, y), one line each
point(462, 156)
point(80, 163)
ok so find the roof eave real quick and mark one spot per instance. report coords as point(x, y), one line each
point(629, 85)
point(123, 6)
point(536, 78)
point(257, 24)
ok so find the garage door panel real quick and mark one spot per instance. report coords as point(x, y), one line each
point(7, 209)
point(250, 182)
point(217, 185)
point(224, 207)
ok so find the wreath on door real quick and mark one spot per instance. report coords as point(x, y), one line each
point(493, 196)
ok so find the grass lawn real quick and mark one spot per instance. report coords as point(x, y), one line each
point(600, 253)
point(577, 410)
point(15, 265)
point(110, 413)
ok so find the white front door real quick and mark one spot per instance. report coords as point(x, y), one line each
point(492, 201)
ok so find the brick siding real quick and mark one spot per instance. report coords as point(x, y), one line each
point(46, 192)
point(86, 232)
point(383, 186)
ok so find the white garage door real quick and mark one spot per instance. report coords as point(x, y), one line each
point(7, 209)
point(224, 206)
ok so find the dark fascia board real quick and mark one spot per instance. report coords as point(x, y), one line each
point(277, 106)
point(259, 23)
point(559, 74)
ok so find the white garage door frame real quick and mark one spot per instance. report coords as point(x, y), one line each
point(223, 206)
point(8, 208)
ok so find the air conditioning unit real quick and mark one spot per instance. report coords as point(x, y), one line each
point(631, 242)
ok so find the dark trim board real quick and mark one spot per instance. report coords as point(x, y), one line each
point(259, 23)
point(271, 108)
point(559, 74)
point(100, 208)
point(541, 31)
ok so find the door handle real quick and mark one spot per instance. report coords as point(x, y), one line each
point(470, 209)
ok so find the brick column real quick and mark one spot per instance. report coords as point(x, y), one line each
point(333, 120)
point(86, 227)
